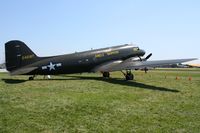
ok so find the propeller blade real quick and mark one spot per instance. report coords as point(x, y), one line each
point(148, 56)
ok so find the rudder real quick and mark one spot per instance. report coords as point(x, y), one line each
point(18, 54)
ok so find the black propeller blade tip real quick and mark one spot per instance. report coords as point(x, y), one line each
point(148, 56)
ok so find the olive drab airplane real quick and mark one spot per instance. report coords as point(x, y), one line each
point(20, 60)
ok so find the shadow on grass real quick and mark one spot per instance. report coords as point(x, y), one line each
point(124, 83)
point(110, 80)
point(14, 81)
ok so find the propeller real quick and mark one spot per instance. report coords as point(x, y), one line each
point(148, 56)
point(144, 59)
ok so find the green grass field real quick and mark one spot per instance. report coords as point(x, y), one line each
point(154, 102)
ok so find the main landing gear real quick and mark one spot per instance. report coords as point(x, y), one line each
point(106, 74)
point(128, 75)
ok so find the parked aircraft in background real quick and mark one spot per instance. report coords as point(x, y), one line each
point(193, 65)
point(2, 66)
point(20, 60)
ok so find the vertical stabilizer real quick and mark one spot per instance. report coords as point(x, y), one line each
point(17, 55)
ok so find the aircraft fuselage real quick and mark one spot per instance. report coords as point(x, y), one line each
point(21, 60)
point(83, 61)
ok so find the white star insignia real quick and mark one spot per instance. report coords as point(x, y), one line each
point(51, 66)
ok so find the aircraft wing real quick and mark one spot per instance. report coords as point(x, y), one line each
point(22, 71)
point(131, 64)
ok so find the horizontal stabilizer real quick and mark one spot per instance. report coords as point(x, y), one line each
point(22, 71)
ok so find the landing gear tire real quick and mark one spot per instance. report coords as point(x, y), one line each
point(106, 74)
point(129, 76)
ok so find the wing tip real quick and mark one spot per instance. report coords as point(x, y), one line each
point(191, 59)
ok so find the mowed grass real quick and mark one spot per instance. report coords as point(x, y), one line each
point(154, 102)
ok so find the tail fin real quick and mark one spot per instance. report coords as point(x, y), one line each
point(18, 55)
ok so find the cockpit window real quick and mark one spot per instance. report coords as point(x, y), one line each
point(136, 49)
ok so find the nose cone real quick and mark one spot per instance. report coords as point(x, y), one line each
point(142, 52)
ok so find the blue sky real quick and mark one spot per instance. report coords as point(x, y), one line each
point(168, 28)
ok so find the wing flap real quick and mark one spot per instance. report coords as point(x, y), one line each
point(105, 67)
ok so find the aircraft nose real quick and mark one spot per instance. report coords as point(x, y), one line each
point(142, 52)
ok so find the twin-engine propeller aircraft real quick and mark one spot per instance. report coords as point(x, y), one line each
point(20, 60)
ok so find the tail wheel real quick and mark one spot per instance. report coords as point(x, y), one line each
point(31, 78)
